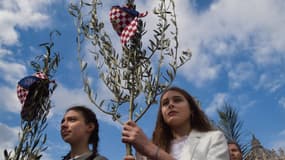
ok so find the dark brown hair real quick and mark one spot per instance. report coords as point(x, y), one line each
point(162, 135)
point(235, 143)
point(89, 117)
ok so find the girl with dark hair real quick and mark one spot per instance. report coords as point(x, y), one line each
point(182, 132)
point(79, 128)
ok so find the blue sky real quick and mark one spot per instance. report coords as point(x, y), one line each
point(238, 57)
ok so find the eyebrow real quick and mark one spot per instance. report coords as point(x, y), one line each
point(177, 96)
point(68, 118)
point(172, 97)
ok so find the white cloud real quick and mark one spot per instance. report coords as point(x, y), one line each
point(228, 28)
point(4, 52)
point(22, 14)
point(240, 73)
point(281, 102)
point(64, 98)
point(8, 138)
point(217, 102)
point(200, 69)
point(9, 102)
point(13, 71)
point(270, 82)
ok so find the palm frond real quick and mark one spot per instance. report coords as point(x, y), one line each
point(232, 126)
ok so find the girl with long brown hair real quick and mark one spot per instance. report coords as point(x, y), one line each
point(182, 132)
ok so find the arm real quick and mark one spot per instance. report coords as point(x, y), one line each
point(219, 148)
point(134, 135)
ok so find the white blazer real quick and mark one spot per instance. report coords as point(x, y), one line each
point(210, 145)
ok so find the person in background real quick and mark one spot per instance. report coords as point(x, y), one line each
point(182, 132)
point(79, 128)
point(235, 151)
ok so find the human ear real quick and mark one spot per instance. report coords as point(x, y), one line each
point(90, 127)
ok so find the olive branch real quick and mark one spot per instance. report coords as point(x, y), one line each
point(32, 138)
point(135, 72)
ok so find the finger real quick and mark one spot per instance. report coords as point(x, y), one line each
point(126, 136)
point(131, 123)
point(126, 139)
point(127, 127)
point(126, 133)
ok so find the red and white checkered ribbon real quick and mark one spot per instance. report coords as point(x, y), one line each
point(125, 23)
point(22, 92)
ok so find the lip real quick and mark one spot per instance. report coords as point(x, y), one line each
point(64, 133)
point(172, 113)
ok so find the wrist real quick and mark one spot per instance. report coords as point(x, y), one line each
point(153, 152)
point(156, 153)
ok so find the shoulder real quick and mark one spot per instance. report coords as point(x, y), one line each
point(209, 138)
point(215, 133)
point(99, 157)
point(212, 143)
point(208, 134)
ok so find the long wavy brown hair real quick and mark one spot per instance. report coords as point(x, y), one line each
point(162, 135)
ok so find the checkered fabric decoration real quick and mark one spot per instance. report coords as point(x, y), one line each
point(25, 83)
point(125, 21)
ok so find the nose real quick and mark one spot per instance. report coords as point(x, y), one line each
point(63, 124)
point(170, 105)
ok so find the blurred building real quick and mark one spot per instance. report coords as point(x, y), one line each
point(258, 152)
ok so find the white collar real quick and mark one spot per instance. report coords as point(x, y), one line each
point(82, 156)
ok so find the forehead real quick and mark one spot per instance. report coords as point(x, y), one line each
point(232, 145)
point(170, 94)
point(72, 113)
